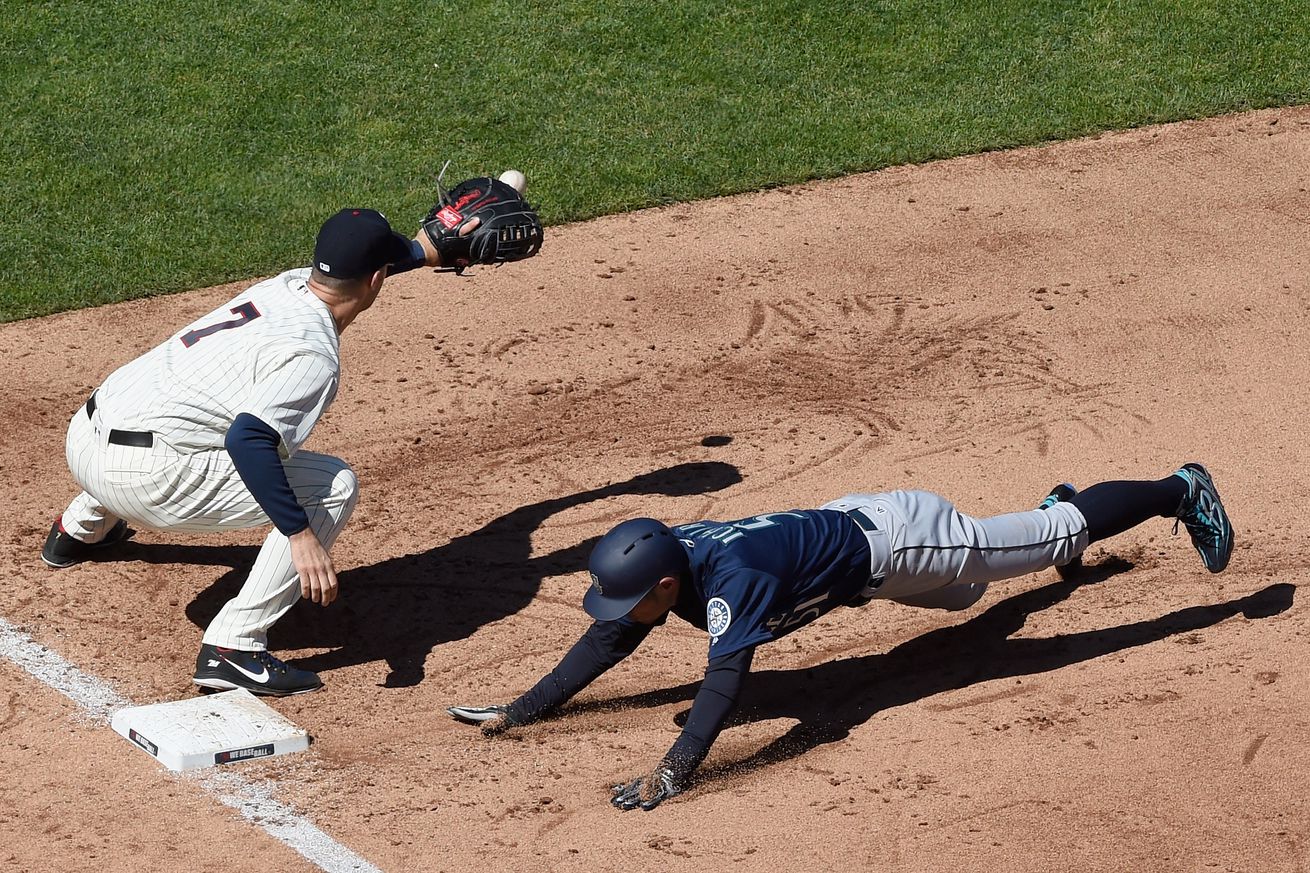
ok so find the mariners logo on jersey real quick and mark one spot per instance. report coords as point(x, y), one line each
point(718, 615)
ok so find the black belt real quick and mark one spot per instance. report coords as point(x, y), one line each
point(863, 519)
point(142, 439)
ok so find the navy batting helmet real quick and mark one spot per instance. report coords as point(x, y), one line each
point(627, 563)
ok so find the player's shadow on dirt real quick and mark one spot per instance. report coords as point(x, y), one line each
point(398, 610)
point(831, 699)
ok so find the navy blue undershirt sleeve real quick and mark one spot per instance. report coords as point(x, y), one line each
point(714, 702)
point(603, 645)
point(252, 443)
point(416, 259)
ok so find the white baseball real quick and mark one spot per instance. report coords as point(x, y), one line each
point(515, 180)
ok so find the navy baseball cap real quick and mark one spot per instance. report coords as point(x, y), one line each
point(627, 563)
point(355, 242)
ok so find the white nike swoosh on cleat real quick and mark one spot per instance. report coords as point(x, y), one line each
point(261, 677)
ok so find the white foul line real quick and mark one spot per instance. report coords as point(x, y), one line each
point(98, 700)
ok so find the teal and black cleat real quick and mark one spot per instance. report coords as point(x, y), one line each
point(1202, 513)
point(1061, 493)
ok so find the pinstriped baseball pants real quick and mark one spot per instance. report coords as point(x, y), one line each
point(164, 489)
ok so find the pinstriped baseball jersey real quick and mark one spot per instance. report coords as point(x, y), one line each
point(272, 352)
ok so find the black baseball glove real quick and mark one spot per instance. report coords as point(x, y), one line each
point(507, 227)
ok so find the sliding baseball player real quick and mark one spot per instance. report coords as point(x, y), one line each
point(752, 581)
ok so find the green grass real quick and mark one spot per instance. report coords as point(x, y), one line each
point(152, 147)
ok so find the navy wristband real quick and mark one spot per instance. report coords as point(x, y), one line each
point(418, 258)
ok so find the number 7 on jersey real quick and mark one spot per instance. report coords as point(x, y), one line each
point(246, 311)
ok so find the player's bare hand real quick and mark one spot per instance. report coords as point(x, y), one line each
point(318, 578)
point(647, 791)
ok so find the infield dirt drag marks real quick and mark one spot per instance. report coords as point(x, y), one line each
point(502, 421)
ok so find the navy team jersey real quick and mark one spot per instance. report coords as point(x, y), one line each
point(758, 579)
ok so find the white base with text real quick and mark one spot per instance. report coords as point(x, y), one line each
point(206, 731)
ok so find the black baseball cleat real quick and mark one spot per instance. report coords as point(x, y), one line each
point(62, 550)
point(1202, 513)
point(257, 672)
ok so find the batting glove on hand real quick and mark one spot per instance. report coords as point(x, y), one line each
point(647, 791)
point(492, 720)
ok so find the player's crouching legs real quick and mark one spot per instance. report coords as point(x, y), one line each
point(327, 488)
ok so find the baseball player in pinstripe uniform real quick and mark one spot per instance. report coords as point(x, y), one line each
point(203, 433)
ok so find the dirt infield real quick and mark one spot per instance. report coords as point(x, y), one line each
point(983, 327)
